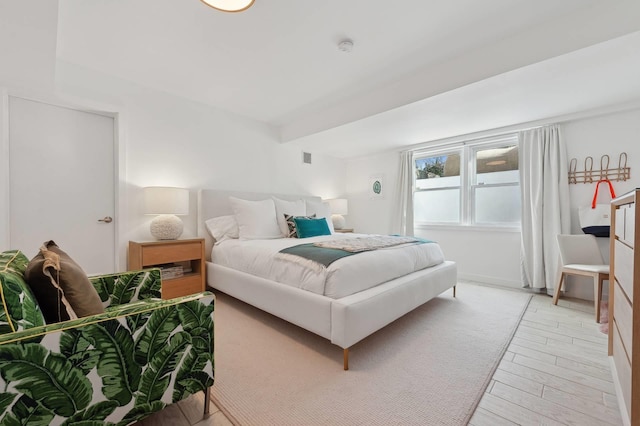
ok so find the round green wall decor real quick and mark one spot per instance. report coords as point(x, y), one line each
point(377, 187)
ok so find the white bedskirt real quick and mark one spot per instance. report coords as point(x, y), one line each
point(343, 277)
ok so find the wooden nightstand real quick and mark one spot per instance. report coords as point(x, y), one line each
point(344, 230)
point(187, 254)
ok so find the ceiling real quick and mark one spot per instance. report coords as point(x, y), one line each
point(423, 71)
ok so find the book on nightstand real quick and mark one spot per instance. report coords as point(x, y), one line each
point(171, 271)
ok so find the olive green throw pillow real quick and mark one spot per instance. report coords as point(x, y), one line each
point(62, 288)
point(19, 309)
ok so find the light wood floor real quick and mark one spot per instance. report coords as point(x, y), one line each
point(555, 372)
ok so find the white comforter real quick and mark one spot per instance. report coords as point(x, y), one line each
point(343, 277)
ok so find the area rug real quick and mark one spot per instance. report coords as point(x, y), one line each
point(429, 367)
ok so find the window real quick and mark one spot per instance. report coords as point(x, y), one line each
point(438, 188)
point(477, 183)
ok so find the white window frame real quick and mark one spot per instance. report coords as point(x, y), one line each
point(468, 180)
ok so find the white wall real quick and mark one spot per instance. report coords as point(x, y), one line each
point(173, 141)
point(164, 139)
point(176, 142)
point(368, 214)
point(485, 256)
point(28, 32)
point(606, 135)
point(494, 256)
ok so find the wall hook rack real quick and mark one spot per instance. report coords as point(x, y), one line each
point(588, 175)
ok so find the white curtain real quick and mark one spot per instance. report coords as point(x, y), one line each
point(545, 204)
point(402, 217)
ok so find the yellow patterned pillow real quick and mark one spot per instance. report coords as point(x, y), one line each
point(19, 310)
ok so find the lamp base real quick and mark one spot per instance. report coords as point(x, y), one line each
point(339, 221)
point(166, 227)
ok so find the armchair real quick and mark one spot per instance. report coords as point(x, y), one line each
point(108, 369)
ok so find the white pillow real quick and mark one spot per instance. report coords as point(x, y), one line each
point(293, 208)
point(256, 219)
point(321, 209)
point(222, 228)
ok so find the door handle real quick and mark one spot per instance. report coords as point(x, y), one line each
point(106, 219)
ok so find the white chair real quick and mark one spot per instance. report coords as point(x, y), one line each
point(580, 255)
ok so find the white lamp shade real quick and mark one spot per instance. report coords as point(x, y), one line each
point(166, 200)
point(339, 206)
point(229, 5)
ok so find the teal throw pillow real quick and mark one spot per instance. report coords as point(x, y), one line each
point(291, 224)
point(307, 227)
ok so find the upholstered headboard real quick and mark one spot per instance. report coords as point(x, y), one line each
point(214, 203)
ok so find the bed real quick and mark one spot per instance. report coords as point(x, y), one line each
point(344, 319)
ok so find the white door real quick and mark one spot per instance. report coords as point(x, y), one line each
point(61, 182)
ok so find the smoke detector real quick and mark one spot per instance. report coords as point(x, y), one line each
point(345, 46)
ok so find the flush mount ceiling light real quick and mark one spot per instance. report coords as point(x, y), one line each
point(229, 5)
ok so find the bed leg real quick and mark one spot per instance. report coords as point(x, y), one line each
point(454, 291)
point(346, 359)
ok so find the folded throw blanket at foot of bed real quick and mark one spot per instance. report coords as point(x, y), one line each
point(310, 254)
point(359, 244)
point(324, 253)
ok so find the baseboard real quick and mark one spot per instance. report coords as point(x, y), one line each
point(490, 280)
point(616, 383)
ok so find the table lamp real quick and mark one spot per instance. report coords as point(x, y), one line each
point(338, 209)
point(166, 203)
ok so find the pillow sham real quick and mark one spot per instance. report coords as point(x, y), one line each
point(256, 219)
point(291, 225)
point(320, 209)
point(222, 228)
point(307, 227)
point(60, 285)
point(292, 208)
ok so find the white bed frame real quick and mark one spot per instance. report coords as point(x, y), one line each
point(343, 321)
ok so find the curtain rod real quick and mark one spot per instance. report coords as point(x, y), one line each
point(471, 138)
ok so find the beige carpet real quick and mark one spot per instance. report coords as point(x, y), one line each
point(429, 367)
